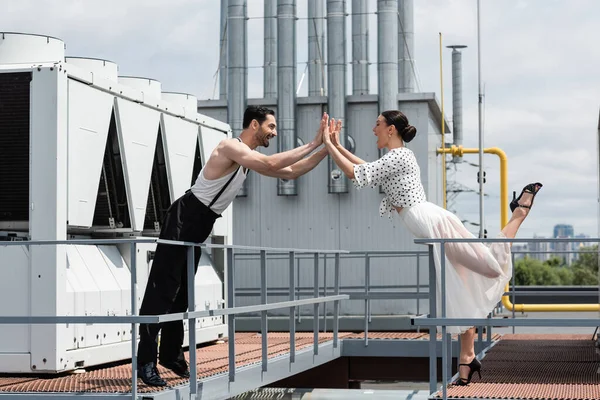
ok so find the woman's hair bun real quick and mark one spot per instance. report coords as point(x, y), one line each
point(408, 133)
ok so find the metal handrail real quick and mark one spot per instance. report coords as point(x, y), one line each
point(191, 315)
point(432, 320)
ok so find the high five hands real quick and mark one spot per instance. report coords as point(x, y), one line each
point(330, 129)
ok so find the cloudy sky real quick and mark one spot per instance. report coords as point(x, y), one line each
point(540, 63)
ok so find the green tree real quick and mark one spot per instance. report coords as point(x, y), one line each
point(584, 271)
point(566, 276)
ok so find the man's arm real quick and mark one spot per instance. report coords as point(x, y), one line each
point(263, 164)
point(268, 165)
point(301, 167)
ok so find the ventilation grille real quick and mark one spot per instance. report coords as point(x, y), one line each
point(197, 164)
point(159, 198)
point(14, 146)
point(112, 209)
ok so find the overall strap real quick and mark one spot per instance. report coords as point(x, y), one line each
point(225, 186)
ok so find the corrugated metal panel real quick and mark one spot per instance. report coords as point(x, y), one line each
point(316, 219)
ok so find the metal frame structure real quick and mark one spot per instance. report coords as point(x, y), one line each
point(367, 292)
point(216, 385)
point(458, 151)
point(432, 320)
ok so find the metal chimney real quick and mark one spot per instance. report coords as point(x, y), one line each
point(336, 81)
point(237, 72)
point(406, 46)
point(457, 108)
point(387, 54)
point(286, 86)
point(360, 47)
point(316, 48)
point(270, 67)
point(223, 52)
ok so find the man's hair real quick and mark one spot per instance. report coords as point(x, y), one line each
point(258, 113)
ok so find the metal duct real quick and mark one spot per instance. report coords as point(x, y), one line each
point(101, 68)
point(237, 72)
point(223, 52)
point(270, 68)
point(360, 47)
point(387, 54)
point(148, 86)
point(286, 86)
point(24, 48)
point(316, 48)
point(336, 81)
point(457, 130)
point(406, 46)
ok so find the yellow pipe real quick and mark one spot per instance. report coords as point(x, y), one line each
point(459, 151)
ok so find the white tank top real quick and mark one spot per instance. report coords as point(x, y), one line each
point(218, 194)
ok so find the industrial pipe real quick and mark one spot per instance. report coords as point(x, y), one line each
point(237, 72)
point(336, 82)
point(316, 37)
point(459, 151)
point(223, 52)
point(270, 56)
point(286, 86)
point(406, 46)
point(360, 47)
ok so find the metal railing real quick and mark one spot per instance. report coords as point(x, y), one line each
point(433, 321)
point(191, 315)
point(366, 292)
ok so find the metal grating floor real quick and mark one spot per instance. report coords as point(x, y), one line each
point(211, 360)
point(525, 366)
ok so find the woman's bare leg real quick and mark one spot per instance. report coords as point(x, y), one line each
point(467, 339)
point(467, 351)
point(518, 216)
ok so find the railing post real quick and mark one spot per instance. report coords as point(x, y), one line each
point(432, 314)
point(336, 303)
point(298, 310)
point(418, 286)
point(231, 317)
point(316, 306)
point(292, 311)
point(367, 279)
point(263, 299)
point(444, 328)
point(488, 331)
point(191, 274)
point(134, 328)
point(325, 292)
point(512, 289)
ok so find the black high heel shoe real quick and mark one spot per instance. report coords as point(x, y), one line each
point(474, 366)
point(532, 188)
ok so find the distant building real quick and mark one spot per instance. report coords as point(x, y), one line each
point(519, 250)
point(539, 250)
point(562, 230)
point(562, 249)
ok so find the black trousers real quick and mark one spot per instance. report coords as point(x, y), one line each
point(166, 291)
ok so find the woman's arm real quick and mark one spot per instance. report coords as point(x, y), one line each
point(344, 163)
point(335, 139)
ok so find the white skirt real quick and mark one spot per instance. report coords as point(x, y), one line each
point(476, 274)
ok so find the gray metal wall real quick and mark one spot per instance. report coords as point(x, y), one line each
point(350, 221)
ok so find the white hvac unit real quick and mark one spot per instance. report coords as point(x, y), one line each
point(87, 154)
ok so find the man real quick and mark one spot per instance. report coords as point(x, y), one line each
point(191, 218)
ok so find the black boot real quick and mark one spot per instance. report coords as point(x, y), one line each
point(149, 375)
point(180, 367)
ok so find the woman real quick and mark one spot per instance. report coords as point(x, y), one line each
point(476, 274)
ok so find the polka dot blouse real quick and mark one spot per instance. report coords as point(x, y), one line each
point(398, 174)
